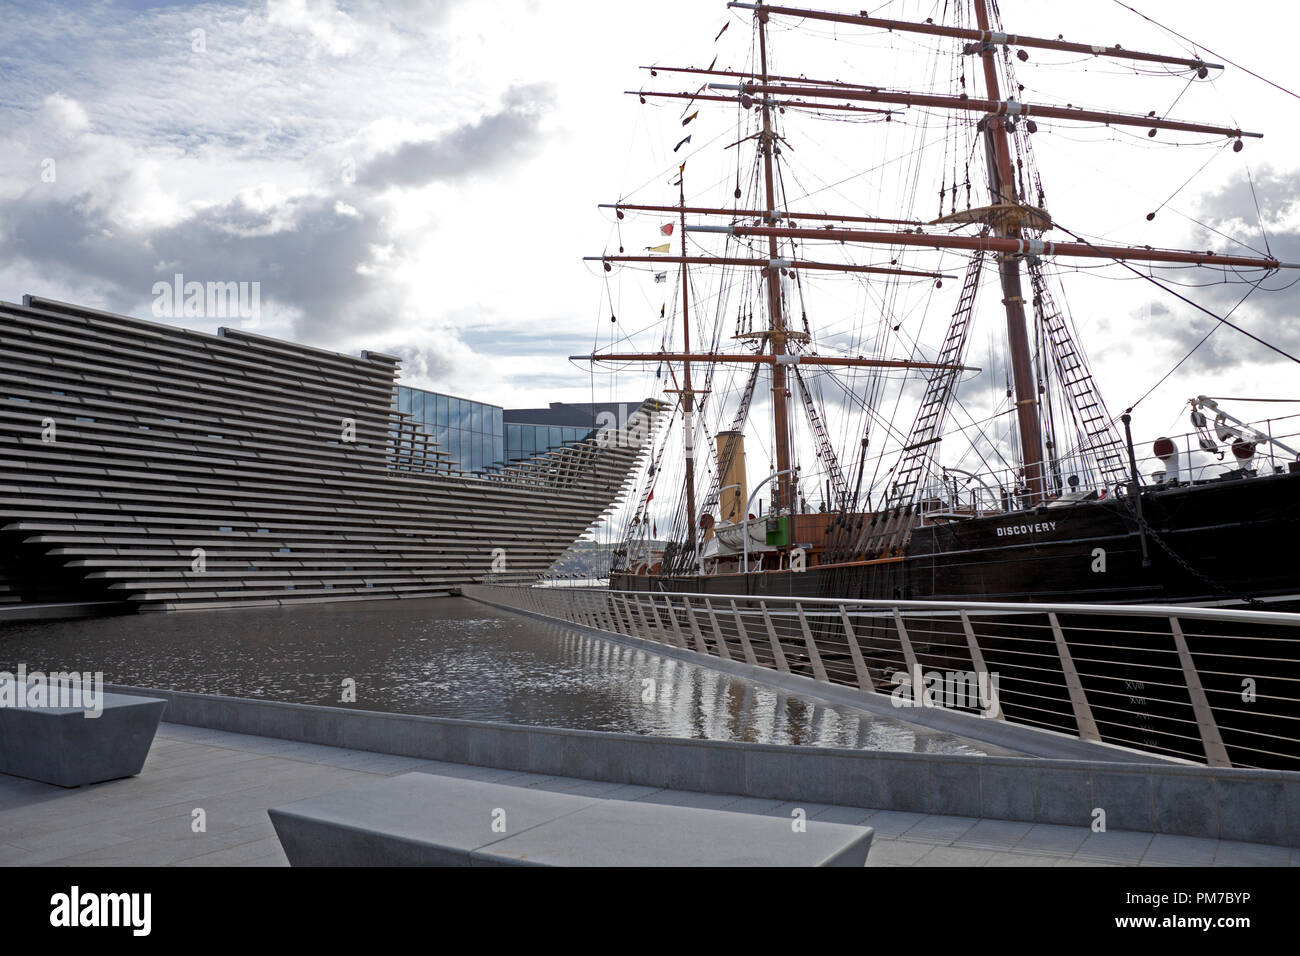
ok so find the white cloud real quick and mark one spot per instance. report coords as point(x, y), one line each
point(65, 114)
point(423, 175)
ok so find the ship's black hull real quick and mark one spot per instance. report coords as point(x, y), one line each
point(1233, 543)
point(1230, 540)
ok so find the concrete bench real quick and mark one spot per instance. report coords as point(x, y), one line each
point(419, 819)
point(65, 747)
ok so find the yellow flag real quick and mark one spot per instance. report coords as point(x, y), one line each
point(666, 247)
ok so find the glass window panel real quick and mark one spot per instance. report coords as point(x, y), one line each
point(453, 413)
point(476, 417)
point(556, 438)
point(404, 399)
point(529, 442)
point(497, 422)
point(498, 451)
point(417, 406)
point(442, 411)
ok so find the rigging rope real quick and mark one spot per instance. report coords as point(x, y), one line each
point(1202, 46)
point(1196, 305)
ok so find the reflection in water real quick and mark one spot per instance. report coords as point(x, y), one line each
point(447, 658)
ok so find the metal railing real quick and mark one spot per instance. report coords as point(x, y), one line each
point(957, 492)
point(1219, 687)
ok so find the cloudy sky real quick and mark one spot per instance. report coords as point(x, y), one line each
point(421, 176)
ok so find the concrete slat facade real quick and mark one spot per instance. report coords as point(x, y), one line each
point(165, 441)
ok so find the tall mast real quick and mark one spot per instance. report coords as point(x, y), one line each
point(688, 395)
point(1002, 186)
point(776, 320)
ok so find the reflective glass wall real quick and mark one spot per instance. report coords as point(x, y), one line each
point(475, 436)
point(471, 433)
point(525, 441)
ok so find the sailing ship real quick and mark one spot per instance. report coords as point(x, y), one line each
point(1069, 516)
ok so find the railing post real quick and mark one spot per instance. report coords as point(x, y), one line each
point(747, 647)
point(695, 627)
point(1215, 753)
point(778, 654)
point(1083, 720)
point(619, 627)
point(914, 674)
point(672, 617)
point(981, 669)
point(629, 603)
point(606, 613)
point(866, 680)
point(717, 631)
point(661, 635)
point(640, 614)
point(819, 669)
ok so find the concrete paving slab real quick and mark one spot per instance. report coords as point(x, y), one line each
point(1166, 850)
point(955, 856)
point(994, 835)
point(753, 805)
point(897, 853)
point(1251, 854)
point(850, 815)
point(1115, 846)
point(942, 830)
point(892, 824)
point(235, 778)
point(1051, 838)
point(1002, 858)
point(689, 798)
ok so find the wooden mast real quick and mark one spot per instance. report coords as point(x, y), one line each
point(782, 496)
point(688, 394)
point(998, 245)
point(751, 358)
point(1002, 188)
point(975, 105)
point(793, 104)
point(984, 35)
point(759, 214)
point(768, 264)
